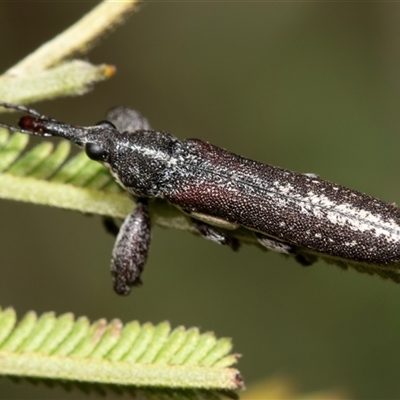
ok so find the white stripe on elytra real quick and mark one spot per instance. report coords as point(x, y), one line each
point(345, 214)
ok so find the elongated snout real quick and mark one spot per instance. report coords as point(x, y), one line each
point(35, 125)
point(47, 127)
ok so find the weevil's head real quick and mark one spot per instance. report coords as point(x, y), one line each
point(139, 160)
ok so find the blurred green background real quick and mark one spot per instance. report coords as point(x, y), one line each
point(313, 87)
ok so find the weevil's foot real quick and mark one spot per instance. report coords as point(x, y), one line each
point(274, 244)
point(234, 244)
point(311, 175)
point(214, 234)
point(110, 226)
point(280, 247)
point(305, 260)
point(123, 287)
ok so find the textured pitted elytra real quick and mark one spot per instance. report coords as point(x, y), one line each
point(296, 208)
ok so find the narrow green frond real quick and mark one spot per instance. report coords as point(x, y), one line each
point(31, 160)
point(67, 79)
point(43, 175)
point(71, 168)
point(203, 346)
point(53, 162)
point(102, 180)
point(4, 135)
point(64, 196)
point(190, 343)
point(12, 149)
point(130, 356)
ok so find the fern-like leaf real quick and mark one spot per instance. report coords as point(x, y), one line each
point(130, 356)
point(43, 176)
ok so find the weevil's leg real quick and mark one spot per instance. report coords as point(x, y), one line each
point(212, 233)
point(311, 175)
point(126, 119)
point(305, 260)
point(110, 226)
point(275, 245)
point(284, 248)
point(131, 249)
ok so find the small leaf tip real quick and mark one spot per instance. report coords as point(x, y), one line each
point(109, 71)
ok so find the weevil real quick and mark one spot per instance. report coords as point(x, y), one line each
point(288, 212)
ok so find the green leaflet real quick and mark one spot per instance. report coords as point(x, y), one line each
point(68, 78)
point(43, 175)
point(131, 355)
point(46, 162)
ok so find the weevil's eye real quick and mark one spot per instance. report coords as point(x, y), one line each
point(95, 152)
point(106, 124)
